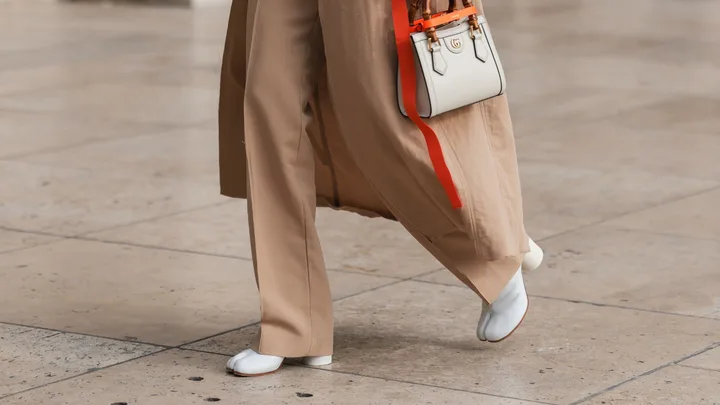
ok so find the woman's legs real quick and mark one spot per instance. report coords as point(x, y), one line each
point(283, 44)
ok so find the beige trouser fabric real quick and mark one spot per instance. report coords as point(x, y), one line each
point(482, 244)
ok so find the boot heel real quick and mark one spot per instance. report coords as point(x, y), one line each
point(534, 258)
point(317, 361)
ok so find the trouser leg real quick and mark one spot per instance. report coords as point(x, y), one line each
point(483, 243)
point(283, 45)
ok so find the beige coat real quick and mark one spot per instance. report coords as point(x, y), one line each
point(338, 181)
point(357, 154)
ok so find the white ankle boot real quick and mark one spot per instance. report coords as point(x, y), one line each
point(533, 258)
point(252, 364)
point(500, 319)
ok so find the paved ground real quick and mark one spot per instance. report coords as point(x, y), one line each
point(124, 273)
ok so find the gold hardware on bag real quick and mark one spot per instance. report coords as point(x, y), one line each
point(427, 15)
point(472, 32)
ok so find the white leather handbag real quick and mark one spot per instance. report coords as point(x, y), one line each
point(456, 63)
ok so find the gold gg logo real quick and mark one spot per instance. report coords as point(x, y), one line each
point(455, 43)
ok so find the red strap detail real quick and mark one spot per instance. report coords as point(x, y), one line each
point(406, 60)
point(443, 18)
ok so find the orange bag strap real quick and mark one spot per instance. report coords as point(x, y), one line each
point(408, 77)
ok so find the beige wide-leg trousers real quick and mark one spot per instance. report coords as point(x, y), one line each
point(285, 47)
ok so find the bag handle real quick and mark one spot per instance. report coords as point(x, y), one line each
point(430, 21)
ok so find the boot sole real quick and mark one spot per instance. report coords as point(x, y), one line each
point(255, 375)
point(231, 371)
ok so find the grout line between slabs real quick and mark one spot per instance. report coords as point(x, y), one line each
point(555, 122)
point(47, 242)
point(665, 234)
point(86, 237)
point(397, 281)
point(674, 200)
point(84, 373)
point(156, 218)
point(596, 304)
point(218, 255)
point(647, 373)
point(162, 349)
point(632, 212)
point(699, 368)
point(59, 331)
point(653, 311)
point(185, 344)
point(162, 129)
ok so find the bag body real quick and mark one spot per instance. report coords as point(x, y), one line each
point(456, 64)
point(460, 69)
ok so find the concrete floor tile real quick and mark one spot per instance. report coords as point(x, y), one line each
point(709, 360)
point(72, 201)
point(624, 74)
point(680, 114)
point(138, 103)
point(565, 105)
point(34, 357)
point(164, 379)
point(442, 277)
point(696, 217)
point(611, 147)
point(374, 246)
point(558, 198)
point(670, 386)
point(23, 133)
point(632, 269)
point(125, 292)
point(564, 351)
point(182, 154)
point(10, 240)
point(227, 344)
